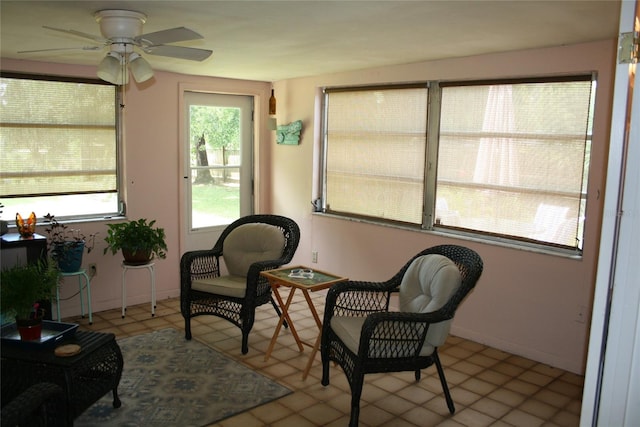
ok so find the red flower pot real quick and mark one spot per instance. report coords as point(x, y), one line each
point(29, 329)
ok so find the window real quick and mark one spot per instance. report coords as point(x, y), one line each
point(505, 159)
point(376, 140)
point(59, 146)
point(218, 154)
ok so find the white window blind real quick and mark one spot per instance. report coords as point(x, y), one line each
point(375, 154)
point(513, 159)
point(57, 138)
point(507, 159)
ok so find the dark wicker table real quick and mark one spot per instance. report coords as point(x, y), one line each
point(85, 377)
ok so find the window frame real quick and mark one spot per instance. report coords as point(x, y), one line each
point(325, 154)
point(432, 150)
point(117, 111)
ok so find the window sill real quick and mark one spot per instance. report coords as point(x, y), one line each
point(466, 236)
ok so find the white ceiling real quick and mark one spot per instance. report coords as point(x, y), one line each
point(275, 40)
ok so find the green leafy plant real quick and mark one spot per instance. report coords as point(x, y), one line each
point(66, 245)
point(136, 237)
point(23, 285)
point(61, 234)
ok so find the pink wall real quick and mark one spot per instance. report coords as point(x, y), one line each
point(152, 177)
point(525, 303)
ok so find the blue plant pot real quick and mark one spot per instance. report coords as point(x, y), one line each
point(69, 256)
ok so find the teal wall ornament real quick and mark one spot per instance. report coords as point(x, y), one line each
point(289, 134)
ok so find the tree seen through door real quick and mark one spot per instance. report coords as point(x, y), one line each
point(215, 164)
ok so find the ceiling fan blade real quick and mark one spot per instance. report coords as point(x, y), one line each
point(180, 52)
point(79, 34)
point(172, 35)
point(61, 48)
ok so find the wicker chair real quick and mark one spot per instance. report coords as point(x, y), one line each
point(42, 404)
point(362, 336)
point(248, 246)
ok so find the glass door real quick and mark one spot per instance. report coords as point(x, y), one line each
point(218, 164)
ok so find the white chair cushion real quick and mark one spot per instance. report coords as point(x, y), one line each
point(427, 285)
point(251, 243)
point(232, 286)
point(349, 329)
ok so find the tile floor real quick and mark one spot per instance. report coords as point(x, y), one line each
point(489, 387)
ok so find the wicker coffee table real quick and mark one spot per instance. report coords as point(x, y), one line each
point(84, 377)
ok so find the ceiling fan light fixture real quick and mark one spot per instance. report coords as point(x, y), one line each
point(121, 33)
point(140, 68)
point(110, 68)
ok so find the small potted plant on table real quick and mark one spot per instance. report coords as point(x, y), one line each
point(22, 287)
point(66, 244)
point(138, 240)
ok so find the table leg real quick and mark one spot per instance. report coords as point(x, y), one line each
point(58, 299)
point(88, 281)
point(316, 317)
point(124, 290)
point(153, 289)
point(88, 284)
point(312, 357)
point(316, 345)
point(283, 317)
point(80, 294)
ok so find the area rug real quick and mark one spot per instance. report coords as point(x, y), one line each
point(169, 381)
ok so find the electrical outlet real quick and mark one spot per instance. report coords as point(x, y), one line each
point(93, 270)
point(314, 257)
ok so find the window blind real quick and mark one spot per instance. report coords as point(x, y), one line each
point(57, 137)
point(507, 159)
point(513, 159)
point(376, 141)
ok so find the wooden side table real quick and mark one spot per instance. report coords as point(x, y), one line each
point(305, 279)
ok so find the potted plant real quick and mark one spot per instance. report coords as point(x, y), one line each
point(67, 245)
point(138, 240)
point(22, 287)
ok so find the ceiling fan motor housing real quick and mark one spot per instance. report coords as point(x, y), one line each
point(120, 24)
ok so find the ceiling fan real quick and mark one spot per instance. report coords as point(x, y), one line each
point(122, 33)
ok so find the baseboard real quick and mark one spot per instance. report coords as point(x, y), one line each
point(574, 366)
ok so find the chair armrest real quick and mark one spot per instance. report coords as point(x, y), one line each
point(357, 298)
point(40, 404)
point(258, 266)
point(198, 265)
point(396, 334)
point(256, 284)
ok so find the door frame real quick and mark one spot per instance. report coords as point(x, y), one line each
point(260, 91)
point(611, 387)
